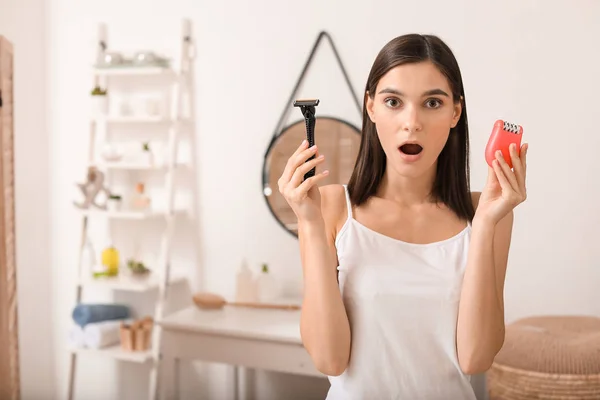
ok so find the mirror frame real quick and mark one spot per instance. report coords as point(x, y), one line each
point(274, 140)
point(10, 378)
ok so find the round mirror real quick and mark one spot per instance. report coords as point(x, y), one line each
point(338, 140)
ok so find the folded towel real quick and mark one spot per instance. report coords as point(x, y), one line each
point(75, 337)
point(101, 334)
point(84, 314)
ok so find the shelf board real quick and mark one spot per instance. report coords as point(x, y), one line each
point(108, 71)
point(133, 215)
point(133, 165)
point(117, 353)
point(125, 282)
point(133, 119)
point(124, 165)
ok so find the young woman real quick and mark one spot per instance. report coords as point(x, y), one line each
point(404, 267)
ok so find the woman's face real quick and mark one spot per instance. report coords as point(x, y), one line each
point(413, 110)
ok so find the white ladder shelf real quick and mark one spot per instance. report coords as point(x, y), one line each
point(161, 276)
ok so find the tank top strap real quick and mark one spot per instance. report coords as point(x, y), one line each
point(348, 203)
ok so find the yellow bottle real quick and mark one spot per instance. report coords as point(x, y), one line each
point(110, 260)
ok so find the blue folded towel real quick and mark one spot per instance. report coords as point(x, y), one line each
point(84, 314)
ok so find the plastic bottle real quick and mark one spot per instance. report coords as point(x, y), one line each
point(245, 290)
point(267, 285)
point(110, 258)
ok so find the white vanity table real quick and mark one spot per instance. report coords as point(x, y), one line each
point(242, 337)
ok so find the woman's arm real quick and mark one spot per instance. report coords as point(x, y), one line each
point(324, 325)
point(480, 327)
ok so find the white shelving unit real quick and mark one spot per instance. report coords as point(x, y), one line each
point(162, 276)
point(128, 283)
point(116, 353)
point(114, 71)
point(138, 215)
point(134, 119)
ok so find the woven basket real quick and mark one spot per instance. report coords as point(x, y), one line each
point(136, 336)
point(548, 357)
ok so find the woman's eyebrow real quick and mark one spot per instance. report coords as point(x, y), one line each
point(427, 93)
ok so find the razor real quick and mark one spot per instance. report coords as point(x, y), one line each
point(307, 107)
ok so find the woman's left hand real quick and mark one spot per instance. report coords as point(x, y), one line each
point(505, 187)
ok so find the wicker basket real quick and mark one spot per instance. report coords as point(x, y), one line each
point(136, 336)
point(548, 357)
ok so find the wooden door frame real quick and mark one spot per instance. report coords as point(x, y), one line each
point(9, 344)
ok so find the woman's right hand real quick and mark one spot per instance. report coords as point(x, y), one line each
point(303, 196)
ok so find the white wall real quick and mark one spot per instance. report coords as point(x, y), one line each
point(542, 73)
point(24, 25)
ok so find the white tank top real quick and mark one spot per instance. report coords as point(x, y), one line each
point(402, 303)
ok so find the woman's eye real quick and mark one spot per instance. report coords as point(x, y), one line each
point(433, 103)
point(391, 102)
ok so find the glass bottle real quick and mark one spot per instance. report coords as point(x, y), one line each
point(140, 202)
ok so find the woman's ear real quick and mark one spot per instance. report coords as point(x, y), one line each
point(457, 113)
point(370, 103)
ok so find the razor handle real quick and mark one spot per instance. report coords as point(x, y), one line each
point(308, 111)
point(503, 134)
point(310, 138)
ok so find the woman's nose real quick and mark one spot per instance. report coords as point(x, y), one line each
point(411, 120)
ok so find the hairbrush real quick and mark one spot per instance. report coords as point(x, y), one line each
point(307, 106)
point(503, 135)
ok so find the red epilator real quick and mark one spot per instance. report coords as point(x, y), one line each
point(503, 135)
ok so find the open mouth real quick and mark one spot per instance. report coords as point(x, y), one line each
point(411, 149)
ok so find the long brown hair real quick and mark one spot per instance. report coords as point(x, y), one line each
point(451, 185)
